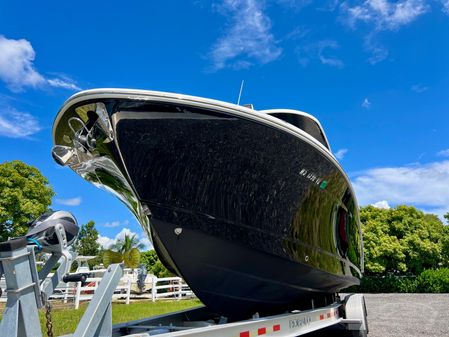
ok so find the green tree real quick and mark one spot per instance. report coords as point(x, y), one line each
point(446, 216)
point(153, 264)
point(87, 244)
point(24, 195)
point(402, 240)
point(125, 250)
point(445, 246)
point(87, 240)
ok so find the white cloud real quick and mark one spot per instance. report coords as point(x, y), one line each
point(419, 88)
point(331, 61)
point(445, 4)
point(65, 83)
point(106, 242)
point(320, 50)
point(113, 224)
point(378, 54)
point(384, 14)
point(69, 202)
point(247, 39)
point(377, 51)
point(340, 154)
point(422, 185)
point(17, 69)
point(16, 64)
point(366, 103)
point(16, 124)
point(146, 242)
point(381, 15)
point(381, 204)
point(295, 4)
point(443, 153)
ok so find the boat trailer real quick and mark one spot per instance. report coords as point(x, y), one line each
point(28, 290)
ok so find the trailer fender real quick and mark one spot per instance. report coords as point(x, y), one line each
point(355, 314)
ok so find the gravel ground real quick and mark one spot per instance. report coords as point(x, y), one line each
point(403, 315)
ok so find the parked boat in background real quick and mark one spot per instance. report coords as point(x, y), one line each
point(249, 207)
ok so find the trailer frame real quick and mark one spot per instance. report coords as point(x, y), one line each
point(350, 312)
point(27, 291)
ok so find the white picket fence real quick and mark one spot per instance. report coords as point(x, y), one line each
point(170, 287)
point(74, 291)
point(161, 288)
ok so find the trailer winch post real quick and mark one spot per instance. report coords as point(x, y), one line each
point(97, 319)
point(17, 263)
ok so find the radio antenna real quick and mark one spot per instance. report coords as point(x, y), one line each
point(240, 93)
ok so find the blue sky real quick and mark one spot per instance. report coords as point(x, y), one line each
point(375, 72)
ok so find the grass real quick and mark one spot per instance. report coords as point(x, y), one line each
point(66, 320)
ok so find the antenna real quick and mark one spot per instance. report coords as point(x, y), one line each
point(240, 93)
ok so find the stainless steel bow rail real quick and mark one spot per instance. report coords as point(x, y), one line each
point(27, 291)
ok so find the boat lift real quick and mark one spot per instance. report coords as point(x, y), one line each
point(28, 290)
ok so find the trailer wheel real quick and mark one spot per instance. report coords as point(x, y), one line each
point(355, 309)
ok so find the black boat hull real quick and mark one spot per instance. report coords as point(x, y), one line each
point(237, 282)
point(255, 218)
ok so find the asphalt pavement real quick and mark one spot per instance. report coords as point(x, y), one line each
point(402, 315)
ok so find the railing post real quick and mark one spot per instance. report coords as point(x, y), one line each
point(153, 289)
point(77, 295)
point(179, 288)
point(66, 292)
point(128, 291)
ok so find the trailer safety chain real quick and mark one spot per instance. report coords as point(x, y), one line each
point(49, 321)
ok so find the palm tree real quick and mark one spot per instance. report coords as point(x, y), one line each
point(127, 243)
point(124, 250)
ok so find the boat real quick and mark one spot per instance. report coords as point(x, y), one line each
point(250, 207)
